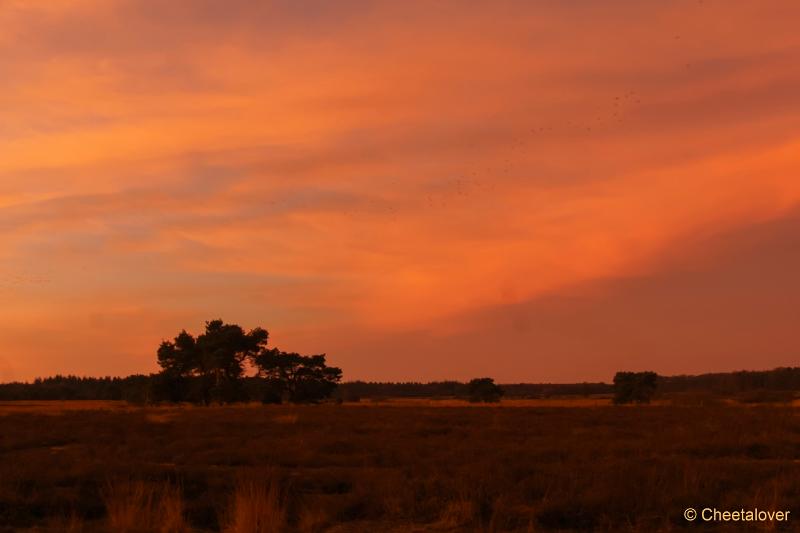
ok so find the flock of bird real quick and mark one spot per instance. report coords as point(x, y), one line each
point(11, 281)
point(445, 192)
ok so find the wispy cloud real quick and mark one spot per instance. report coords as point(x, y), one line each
point(386, 166)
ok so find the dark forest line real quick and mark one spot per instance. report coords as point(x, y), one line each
point(138, 388)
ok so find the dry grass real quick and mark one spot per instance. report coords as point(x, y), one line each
point(41, 407)
point(258, 506)
point(289, 418)
point(133, 506)
point(312, 520)
point(394, 467)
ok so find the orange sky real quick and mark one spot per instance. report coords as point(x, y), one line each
point(534, 191)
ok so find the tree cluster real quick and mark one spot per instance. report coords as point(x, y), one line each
point(298, 378)
point(634, 387)
point(211, 368)
point(484, 390)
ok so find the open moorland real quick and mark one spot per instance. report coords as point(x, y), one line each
point(414, 466)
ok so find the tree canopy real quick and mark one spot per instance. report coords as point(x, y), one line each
point(211, 367)
point(484, 390)
point(634, 387)
point(299, 378)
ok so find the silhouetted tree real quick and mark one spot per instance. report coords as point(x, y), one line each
point(208, 368)
point(484, 390)
point(634, 387)
point(298, 378)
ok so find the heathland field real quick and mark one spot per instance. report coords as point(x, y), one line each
point(405, 466)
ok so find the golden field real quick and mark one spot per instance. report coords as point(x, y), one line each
point(401, 465)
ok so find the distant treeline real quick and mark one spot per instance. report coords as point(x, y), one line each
point(779, 379)
point(139, 388)
point(142, 389)
point(132, 388)
point(449, 389)
point(135, 389)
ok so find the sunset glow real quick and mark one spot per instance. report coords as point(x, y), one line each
point(537, 191)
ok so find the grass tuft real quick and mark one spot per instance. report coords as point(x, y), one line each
point(258, 506)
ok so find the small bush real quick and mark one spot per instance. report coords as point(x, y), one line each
point(634, 387)
point(484, 390)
